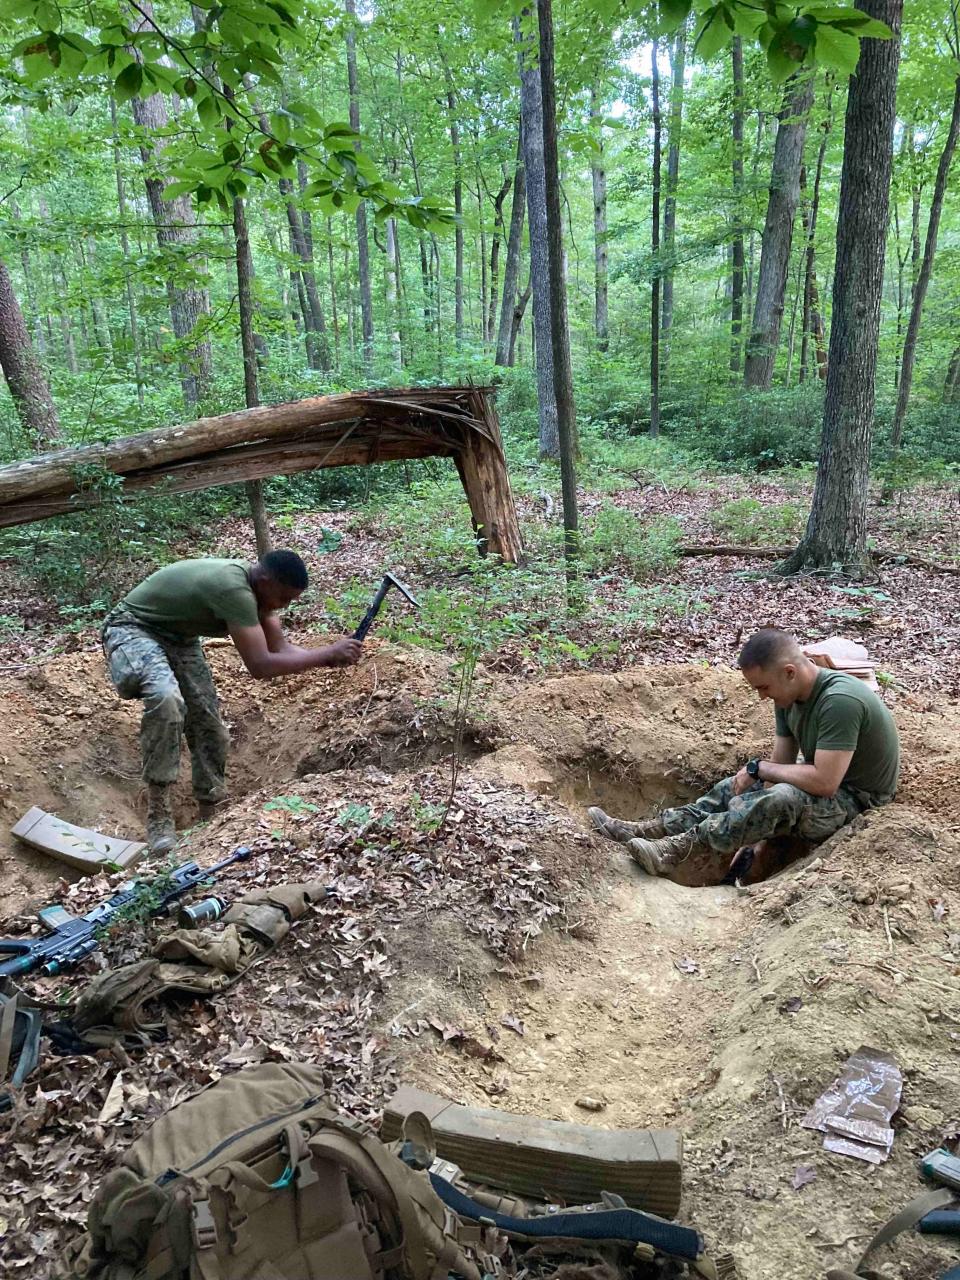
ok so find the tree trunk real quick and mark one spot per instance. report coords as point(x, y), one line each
point(926, 270)
point(301, 244)
point(812, 319)
point(393, 276)
point(176, 227)
point(655, 247)
point(678, 58)
point(951, 383)
point(559, 330)
point(531, 107)
point(125, 250)
point(736, 244)
point(334, 316)
point(23, 371)
point(506, 334)
point(778, 233)
point(251, 386)
point(363, 245)
point(457, 206)
point(516, 321)
point(498, 203)
point(601, 320)
point(836, 532)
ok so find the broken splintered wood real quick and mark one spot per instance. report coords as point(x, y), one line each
point(325, 431)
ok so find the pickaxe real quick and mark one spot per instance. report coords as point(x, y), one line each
point(368, 618)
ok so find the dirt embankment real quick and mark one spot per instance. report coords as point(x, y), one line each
point(722, 1013)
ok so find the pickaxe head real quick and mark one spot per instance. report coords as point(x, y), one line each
point(388, 581)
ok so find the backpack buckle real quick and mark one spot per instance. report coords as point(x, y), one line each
point(306, 1174)
point(204, 1228)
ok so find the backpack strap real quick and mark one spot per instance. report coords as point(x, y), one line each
point(908, 1217)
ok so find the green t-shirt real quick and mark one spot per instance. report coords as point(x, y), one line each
point(843, 714)
point(195, 598)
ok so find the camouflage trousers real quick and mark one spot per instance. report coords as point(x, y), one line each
point(172, 678)
point(727, 822)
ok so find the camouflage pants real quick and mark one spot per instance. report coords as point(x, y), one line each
point(727, 822)
point(172, 678)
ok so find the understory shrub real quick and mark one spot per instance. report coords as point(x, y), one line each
point(745, 520)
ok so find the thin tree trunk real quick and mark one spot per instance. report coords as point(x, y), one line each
point(736, 244)
point(678, 58)
point(926, 270)
point(836, 532)
point(23, 372)
point(457, 205)
point(601, 316)
point(531, 108)
point(812, 319)
point(498, 203)
point(951, 383)
point(506, 333)
point(363, 244)
point(393, 275)
point(334, 316)
point(125, 250)
point(655, 247)
point(516, 321)
point(559, 330)
point(778, 233)
point(251, 386)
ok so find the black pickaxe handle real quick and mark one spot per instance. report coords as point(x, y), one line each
point(368, 618)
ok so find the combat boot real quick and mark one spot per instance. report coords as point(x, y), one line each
point(624, 832)
point(161, 828)
point(658, 856)
point(208, 809)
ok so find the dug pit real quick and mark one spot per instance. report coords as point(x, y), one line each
point(522, 961)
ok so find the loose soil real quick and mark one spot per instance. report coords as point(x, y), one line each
point(517, 934)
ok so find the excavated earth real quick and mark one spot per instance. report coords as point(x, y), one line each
point(721, 1011)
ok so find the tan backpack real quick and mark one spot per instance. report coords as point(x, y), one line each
point(257, 1177)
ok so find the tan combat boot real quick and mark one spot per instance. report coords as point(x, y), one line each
point(624, 832)
point(658, 856)
point(161, 828)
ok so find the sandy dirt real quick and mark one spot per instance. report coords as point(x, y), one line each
point(721, 1012)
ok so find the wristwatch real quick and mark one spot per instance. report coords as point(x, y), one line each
point(753, 768)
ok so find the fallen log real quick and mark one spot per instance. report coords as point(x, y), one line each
point(886, 556)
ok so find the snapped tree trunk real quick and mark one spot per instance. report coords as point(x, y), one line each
point(836, 532)
point(737, 259)
point(924, 274)
point(363, 244)
point(678, 59)
point(655, 247)
point(778, 233)
point(531, 108)
point(23, 371)
point(601, 322)
point(559, 330)
point(511, 268)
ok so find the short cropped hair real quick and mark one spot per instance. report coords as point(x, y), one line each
point(285, 568)
point(768, 647)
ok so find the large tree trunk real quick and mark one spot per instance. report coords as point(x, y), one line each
point(531, 108)
point(836, 532)
point(601, 323)
point(511, 269)
point(363, 244)
point(655, 248)
point(926, 270)
point(559, 330)
point(678, 59)
point(23, 371)
point(737, 259)
point(778, 233)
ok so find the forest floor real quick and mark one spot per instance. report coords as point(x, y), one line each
point(487, 945)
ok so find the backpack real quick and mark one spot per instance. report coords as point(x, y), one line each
point(257, 1177)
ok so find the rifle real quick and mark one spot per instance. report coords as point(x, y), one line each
point(72, 938)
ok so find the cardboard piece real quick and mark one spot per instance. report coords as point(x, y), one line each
point(87, 851)
point(548, 1159)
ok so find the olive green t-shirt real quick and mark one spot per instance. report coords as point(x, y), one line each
point(843, 714)
point(195, 598)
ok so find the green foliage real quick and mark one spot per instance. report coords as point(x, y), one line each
point(616, 538)
point(290, 804)
point(753, 523)
point(354, 815)
point(758, 431)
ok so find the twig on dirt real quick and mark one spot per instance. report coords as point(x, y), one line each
point(756, 967)
point(548, 504)
point(886, 926)
point(839, 1244)
point(906, 977)
point(783, 1103)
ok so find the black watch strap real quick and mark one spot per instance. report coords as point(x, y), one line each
point(753, 768)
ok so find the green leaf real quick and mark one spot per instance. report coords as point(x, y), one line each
point(128, 83)
point(673, 13)
point(174, 189)
point(837, 49)
point(338, 129)
point(713, 34)
point(208, 109)
point(280, 125)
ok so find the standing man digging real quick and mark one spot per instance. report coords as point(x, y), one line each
point(151, 640)
point(851, 763)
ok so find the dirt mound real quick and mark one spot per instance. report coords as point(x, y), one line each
point(520, 957)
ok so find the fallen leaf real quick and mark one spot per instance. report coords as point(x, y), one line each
point(792, 1004)
point(113, 1104)
point(803, 1174)
point(686, 965)
point(512, 1023)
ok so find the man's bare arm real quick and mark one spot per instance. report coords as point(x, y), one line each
point(277, 642)
point(251, 643)
point(822, 778)
point(785, 750)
